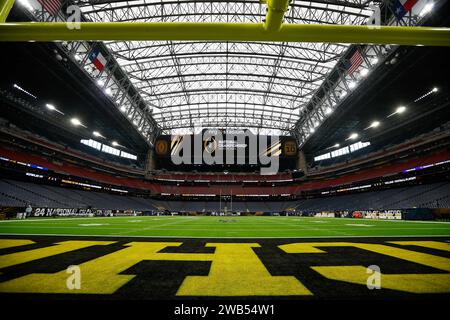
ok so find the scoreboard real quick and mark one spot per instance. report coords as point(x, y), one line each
point(226, 147)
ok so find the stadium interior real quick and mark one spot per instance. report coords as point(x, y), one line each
point(92, 133)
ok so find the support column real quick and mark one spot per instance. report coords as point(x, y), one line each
point(150, 164)
point(301, 162)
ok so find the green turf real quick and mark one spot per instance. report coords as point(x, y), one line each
point(229, 227)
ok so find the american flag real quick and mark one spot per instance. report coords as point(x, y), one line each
point(51, 6)
point(355, 62)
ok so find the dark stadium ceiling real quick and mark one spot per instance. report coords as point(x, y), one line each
point(273, 88)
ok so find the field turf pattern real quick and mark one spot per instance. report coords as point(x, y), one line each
point(162, 278)
point(223, 227)
point(245, 258)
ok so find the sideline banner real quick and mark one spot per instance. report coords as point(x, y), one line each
point(63, 212)
point(378, 214)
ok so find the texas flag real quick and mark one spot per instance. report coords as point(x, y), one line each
point(98, 59)
point(401, 7)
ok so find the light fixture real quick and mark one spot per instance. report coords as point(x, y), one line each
point(352, 84)
point(123, 109)
point(334, 146)
point(115, 144)
point(353, 136)
point(311, 130)
point(97, 134)
point(77, 57)
point(364, 72)
point(426, 9)
point(100, 82)
point(375, 60)
point(15, 86)
point(76, 122)
point(374, 124)
point(316, 124)
point(53, 108)
point(435, 89)
point(343, 94)
point(400, 109)
point(328, 110)
point(26, 4)
point(108, 91)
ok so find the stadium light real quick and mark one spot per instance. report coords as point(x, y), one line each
point(334, 146)
point(15, 86)
point(328, 110)
point(343, 94)
point(427, 9)
point(352, 84)
point(434, 90)
point(375, 60)
point(364, 72)
point(108, 91)
point(76, 122)
point(100, 82)
point(374, 124)
point(353, 136)
point(123, 109)
point(98, 134)
point(116, 144)
point(53, 108)
point(26, 4)
point(399, 110)
point(50, 106)
point(311, 130)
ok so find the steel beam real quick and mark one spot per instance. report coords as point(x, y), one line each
point(102, 31)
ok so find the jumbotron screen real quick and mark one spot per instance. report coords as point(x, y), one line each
point(224, 148)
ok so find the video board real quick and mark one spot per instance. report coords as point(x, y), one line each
point(230, 147)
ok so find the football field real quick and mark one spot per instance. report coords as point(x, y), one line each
point(223, 227)
point(169, 258)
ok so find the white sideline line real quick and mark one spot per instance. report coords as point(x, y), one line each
point(193, 237)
